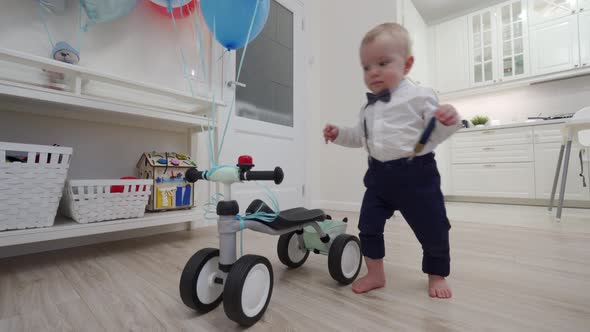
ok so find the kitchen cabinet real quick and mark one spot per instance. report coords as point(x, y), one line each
point(555, 46)
point(548, 141)
point(543, 11)
point(452, 57)
point(503, 180)
point(482, 47)
point(492, 137)
point(546, 155)
point(584, 31)
point(491, 153)
point(513, 46)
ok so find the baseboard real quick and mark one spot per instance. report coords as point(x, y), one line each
point(32, 248)
point(356, 206)
point(515, 201)
point(338, 206)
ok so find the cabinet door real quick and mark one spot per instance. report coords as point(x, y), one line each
point(493, 137)
point(482, 48)
point(494, 154)
point(546, 155)
point(584, 24)
point(513, 180)
point(513, 40)
point(542, 11)
point(554, 46)
point(443, 162)
point(452, 63)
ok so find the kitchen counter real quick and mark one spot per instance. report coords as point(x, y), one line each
point(515, 125)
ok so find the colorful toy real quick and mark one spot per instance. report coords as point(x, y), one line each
point(64, 52)
point(245, 285)
point(171, 190)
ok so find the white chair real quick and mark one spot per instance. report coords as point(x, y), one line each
point(577, 129)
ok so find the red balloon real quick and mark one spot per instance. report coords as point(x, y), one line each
point(179, 11)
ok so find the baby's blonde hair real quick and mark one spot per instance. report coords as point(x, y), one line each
point(393, 29)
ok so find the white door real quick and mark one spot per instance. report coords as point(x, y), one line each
point(584, 23)
point(452, 61)
point(554, 46)
point(513, 40)
point(482, 48)
point(541, 11)
point(546, 155)
point(269, 122)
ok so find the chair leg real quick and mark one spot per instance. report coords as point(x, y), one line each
point(556, 179)
point(568, 150)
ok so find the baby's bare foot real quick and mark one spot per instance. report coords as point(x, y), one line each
point(438, 287)
point(367, 283)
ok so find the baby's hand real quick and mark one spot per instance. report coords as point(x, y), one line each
point(330, 133)
point(447, 115)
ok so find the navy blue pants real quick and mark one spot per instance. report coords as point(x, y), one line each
point(413, 188)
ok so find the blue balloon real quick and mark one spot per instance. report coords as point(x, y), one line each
point(232, 20)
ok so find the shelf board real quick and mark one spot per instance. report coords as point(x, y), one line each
point(67, 228)
point(87, 95)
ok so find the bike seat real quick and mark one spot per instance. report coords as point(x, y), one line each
point(287, 218)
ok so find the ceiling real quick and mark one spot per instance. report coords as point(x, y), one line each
point(434, 11)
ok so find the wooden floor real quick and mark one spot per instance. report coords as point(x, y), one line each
point(513, 269)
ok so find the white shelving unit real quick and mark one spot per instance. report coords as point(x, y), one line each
point(66, 228)
point(88, 95)
point(84, 94)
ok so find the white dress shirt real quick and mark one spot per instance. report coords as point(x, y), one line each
point(394, 128)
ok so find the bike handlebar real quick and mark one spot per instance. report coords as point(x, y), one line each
point(277, 175)
point(193, 175)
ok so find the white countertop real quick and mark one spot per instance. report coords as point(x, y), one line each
point(515, 125)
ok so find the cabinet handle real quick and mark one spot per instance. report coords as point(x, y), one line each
point(489, 166)
point(581, 9)
point(573, 11)
point(576, 66)
point(488, 132)
point(488, 149)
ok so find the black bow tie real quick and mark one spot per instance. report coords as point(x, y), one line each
point(384, 96)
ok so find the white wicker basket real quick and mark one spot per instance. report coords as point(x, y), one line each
point(88, 201)
point(30, 191)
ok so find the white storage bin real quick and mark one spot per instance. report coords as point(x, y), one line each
point(88, 201)
point(30, 190)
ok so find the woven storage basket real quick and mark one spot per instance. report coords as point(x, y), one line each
point(88, 201)
point(30, 191)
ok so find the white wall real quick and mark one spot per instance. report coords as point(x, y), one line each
point(419, 32)
point(515, 105)
point(338, 27)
